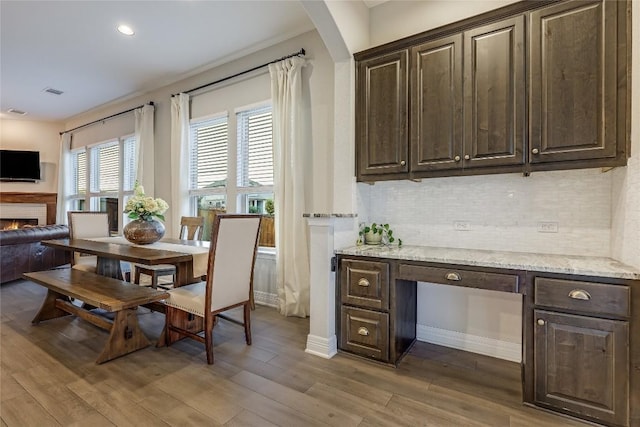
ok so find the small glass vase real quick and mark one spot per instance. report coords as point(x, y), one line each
point(141, 232)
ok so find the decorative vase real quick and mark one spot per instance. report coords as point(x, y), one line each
point(372, 238)
point(143, 232)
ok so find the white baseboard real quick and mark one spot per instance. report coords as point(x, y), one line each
point(264, 298)
point(473, 343)
point(323, 347)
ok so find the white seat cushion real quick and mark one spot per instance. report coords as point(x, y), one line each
point(188, 298)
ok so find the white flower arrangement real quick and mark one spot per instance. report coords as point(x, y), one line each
point(144, 207)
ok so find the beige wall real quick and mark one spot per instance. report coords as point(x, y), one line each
point(37, 136)
point(318, 73)
point(397, 19)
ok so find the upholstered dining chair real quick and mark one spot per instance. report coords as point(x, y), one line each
point(83, 225)
point(229, 284)
point(164, 275)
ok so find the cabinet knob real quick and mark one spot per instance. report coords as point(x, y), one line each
point(402, 163)
point(363, 282)
point(456, 158)
point(580, 294)
point(535, 151)
point(453, 276)
point(467, 157)
point(540, 322)
point(363, 331)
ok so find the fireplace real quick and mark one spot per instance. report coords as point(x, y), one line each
point(29, 205)
point(15, 223)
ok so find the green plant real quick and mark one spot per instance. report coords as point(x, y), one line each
point(269, 207)
point(383, 230)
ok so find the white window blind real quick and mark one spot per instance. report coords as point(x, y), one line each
point(79, 178)
point(105, 165)
point(208, 163)
point(130, 164)
point(255, 147)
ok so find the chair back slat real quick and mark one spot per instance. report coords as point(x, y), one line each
point(191, 227)
point(231, 259)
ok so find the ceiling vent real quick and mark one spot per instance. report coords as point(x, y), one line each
point(53, 91)
point(14, 111)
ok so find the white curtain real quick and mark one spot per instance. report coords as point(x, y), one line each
point(64, 164)
point(179, 205)
point(145, 145)
point(290, 122)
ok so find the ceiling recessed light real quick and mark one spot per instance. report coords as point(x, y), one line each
point(126, 30)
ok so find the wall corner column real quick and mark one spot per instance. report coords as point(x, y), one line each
point(321, 340)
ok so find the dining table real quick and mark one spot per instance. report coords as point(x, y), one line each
point(189, 256)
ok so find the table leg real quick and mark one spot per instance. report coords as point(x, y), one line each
point(109, 267)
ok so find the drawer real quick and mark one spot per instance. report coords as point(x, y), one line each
point(587, 297)
point(456, 277)
point(365, 284)
point(365, 332)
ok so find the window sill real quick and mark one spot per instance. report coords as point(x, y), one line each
point(265, 252)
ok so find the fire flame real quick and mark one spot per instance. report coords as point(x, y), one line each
point(14, 225)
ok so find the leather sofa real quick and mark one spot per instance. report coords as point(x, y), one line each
point(21, 251)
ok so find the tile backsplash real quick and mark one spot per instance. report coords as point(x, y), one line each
point(567, 212)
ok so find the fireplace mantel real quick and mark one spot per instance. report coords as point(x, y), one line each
point(48, 199)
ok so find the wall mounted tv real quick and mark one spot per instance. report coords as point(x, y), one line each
point(18, 165)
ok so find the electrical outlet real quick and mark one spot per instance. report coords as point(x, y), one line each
point(462, 225)
point(547, 227)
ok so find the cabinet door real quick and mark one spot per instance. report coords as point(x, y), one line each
point(381, 115)
point(494, 94)
point(436, 105)
point(582, 365)
point(573, 82)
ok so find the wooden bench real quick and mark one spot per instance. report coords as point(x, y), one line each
point(112, 295)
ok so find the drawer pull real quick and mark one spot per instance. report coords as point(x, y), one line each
point(363, 331)
point(453, 276)
point(580, 294)
point(540, 322)
point(363, 282)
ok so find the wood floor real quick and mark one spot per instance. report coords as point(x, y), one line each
point(49, 378)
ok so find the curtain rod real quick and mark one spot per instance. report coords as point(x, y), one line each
point(106, 118)
point(301, 52)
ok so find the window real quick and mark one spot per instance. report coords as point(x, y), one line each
point(215, 161)
point(103, 177)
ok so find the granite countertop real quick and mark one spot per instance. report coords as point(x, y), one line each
point(568, 264)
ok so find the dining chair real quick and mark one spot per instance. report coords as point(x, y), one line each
point(82, 225)
point(164, 275)
point(229, 283)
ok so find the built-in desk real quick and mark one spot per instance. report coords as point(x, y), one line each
point(580, 318)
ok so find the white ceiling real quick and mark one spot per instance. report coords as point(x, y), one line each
point(73, 46)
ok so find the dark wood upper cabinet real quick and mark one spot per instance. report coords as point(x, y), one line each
point(573, 69)
point(453, 100)
point(494, 94)
point(436, 104)
point(382, 121)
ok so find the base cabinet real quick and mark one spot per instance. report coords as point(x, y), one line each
point(581, 365)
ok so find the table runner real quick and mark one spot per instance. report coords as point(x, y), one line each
point(200, 254)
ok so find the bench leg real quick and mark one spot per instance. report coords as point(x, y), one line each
point(48, 310)
point(125, 337)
